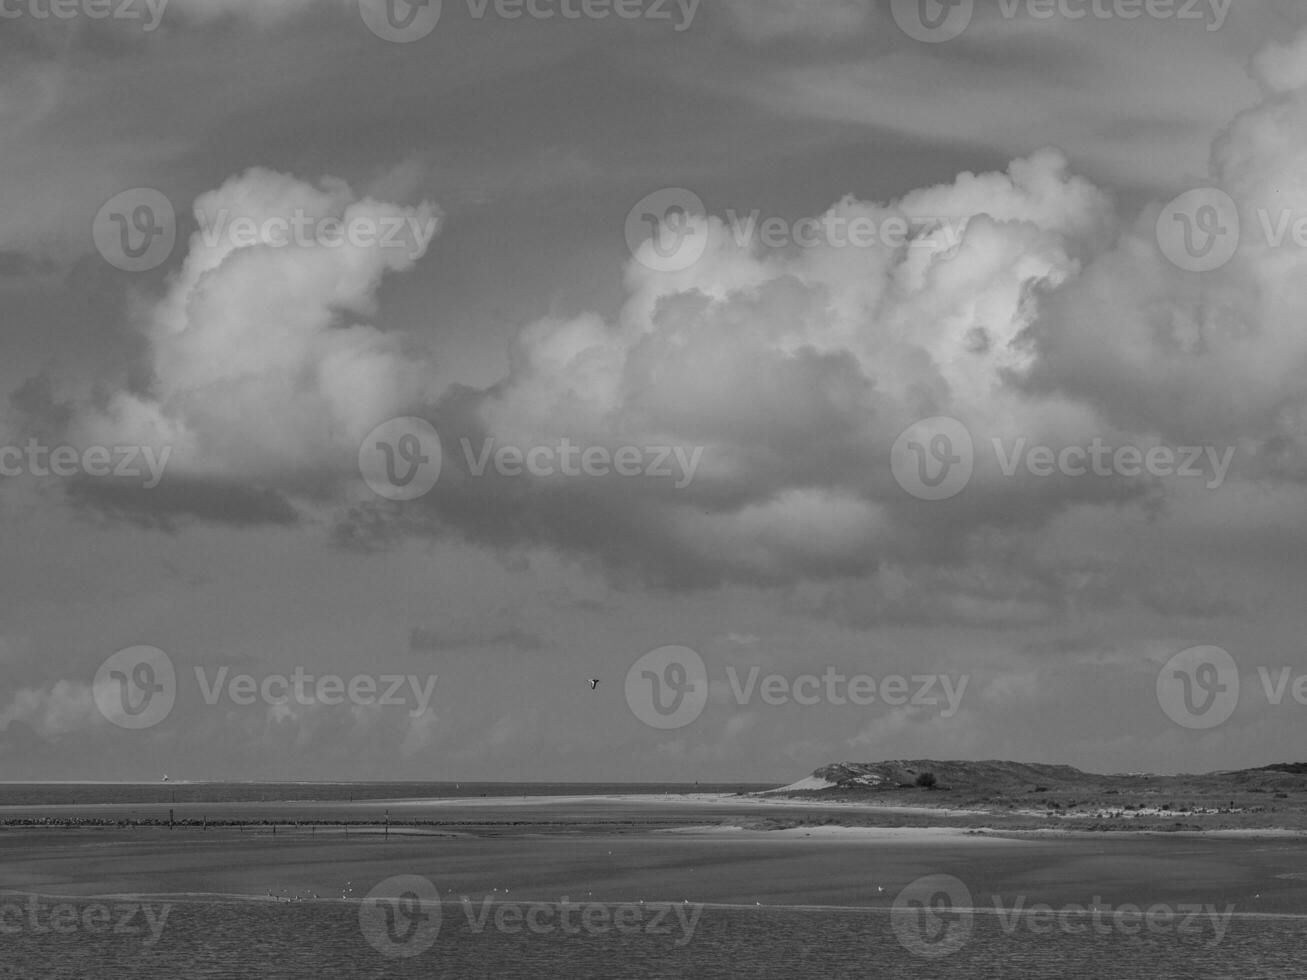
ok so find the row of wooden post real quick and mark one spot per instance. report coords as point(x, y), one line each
point(312, 829)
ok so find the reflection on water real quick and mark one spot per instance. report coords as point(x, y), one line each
point(240, 940)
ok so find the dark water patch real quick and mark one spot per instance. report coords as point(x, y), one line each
point(239, 940)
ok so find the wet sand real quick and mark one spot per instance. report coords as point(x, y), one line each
point(486, 814)
point(539, 860)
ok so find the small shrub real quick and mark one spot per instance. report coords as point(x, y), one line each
point(926, 780)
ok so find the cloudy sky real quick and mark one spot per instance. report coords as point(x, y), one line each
point(756, 249)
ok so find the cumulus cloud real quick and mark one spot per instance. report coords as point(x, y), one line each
point(792, 372)
point(66, 707)
point(1051, 318)
point(262, 368)
point(1282, 67)
point(1024, 305)
point(1212, 358)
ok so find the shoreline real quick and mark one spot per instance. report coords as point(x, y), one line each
point(705, 799)
point(627, 813)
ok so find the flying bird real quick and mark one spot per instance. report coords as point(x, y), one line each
point(594, 683)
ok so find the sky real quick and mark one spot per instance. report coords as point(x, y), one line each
point(825, 384)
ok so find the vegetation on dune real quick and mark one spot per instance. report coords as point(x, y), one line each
point(1036, 795)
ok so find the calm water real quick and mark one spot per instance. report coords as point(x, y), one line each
point(66, 794)
point(250, 940)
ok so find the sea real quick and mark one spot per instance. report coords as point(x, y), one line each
point(245, 941)
point(83, 793)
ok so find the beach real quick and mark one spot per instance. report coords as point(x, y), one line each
point(679, 884)
point(621, 847)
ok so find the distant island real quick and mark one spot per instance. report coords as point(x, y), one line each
point(1033, 796)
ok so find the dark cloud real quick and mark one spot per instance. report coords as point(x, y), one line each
point(17, 264)
point(448, 639)
point(177, 501)
point(35, 401)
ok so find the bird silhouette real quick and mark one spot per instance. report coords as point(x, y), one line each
point(594, 683)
